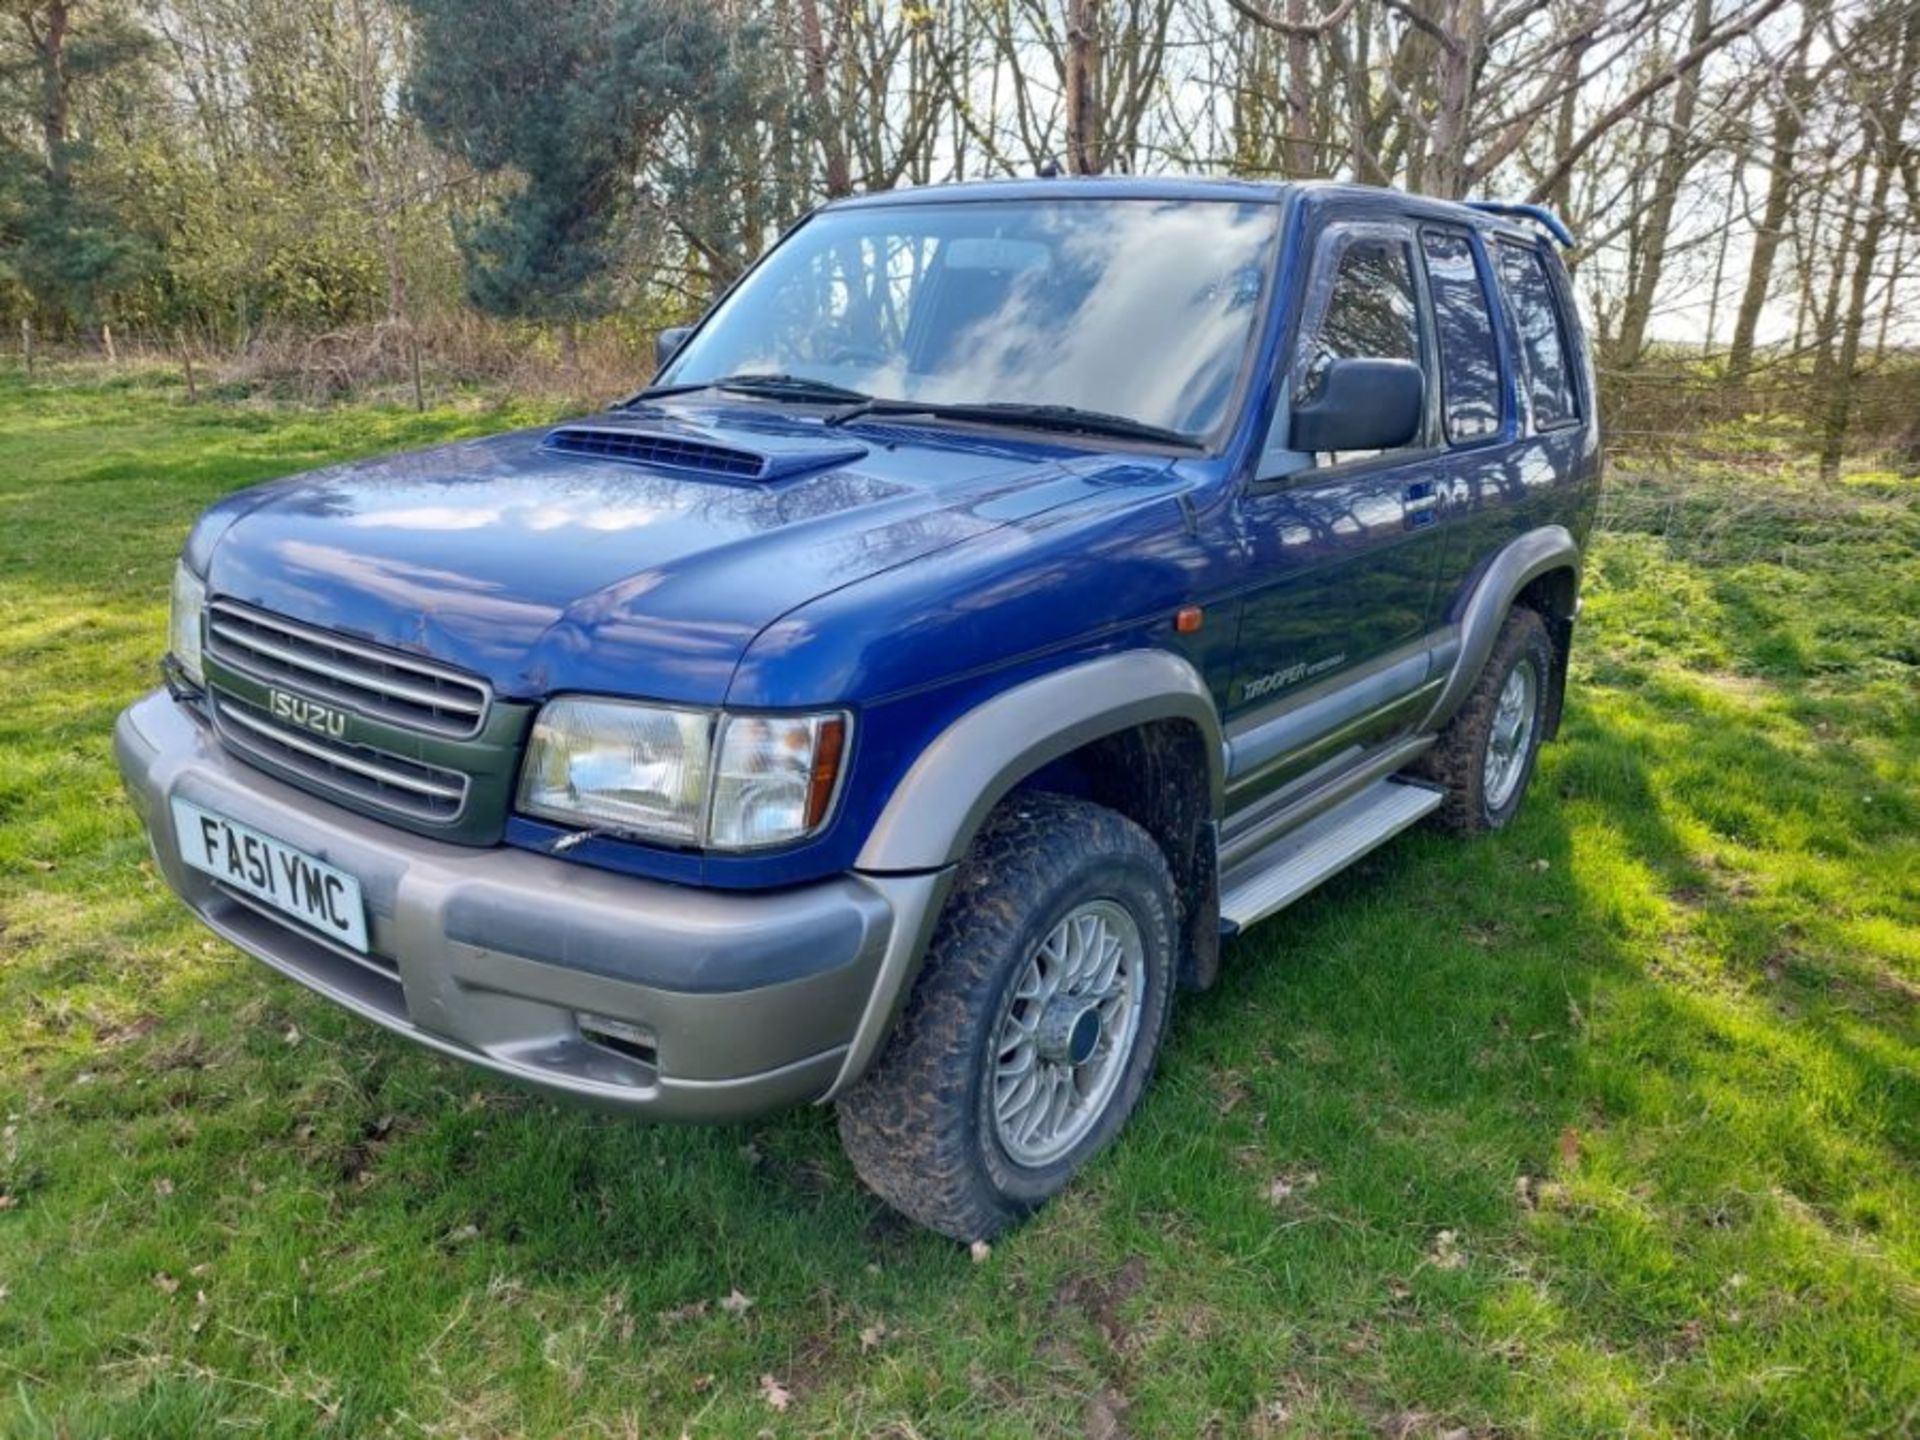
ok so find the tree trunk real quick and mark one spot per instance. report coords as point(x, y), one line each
point(1806, 235)
point(1720, 251)
point(1676, 159)
point(1890, 155)
point(1826, 312)
point(1083, 88)
point(1568, 111)
point(370, 159)
point(1894, 272)
point(833, 144)
point(55, 98)
point(1456, 64)
point(1783, 150)
point(1301, 161)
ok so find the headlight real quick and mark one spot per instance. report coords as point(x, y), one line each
point(637, 768)
point(183, 622)
point(688, 777)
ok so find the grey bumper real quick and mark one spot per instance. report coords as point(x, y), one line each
point(724, 1003)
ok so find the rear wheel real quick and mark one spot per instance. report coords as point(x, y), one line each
point(1485, 756)
point(1034, 1026)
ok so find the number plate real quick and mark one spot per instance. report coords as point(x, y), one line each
point(291, 881)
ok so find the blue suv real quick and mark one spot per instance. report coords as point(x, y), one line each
point(1005, 593)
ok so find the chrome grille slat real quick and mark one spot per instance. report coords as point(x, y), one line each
point(400, 787)
point(341, 756)
point(420, 695)
point(385, 684)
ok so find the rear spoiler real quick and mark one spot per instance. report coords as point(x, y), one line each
point(1539, 214)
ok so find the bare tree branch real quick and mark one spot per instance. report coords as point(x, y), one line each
point(1647, 89)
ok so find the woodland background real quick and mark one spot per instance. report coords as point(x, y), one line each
point(317, 195)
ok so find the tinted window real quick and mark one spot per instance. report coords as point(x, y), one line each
point(1536, 315)
point(1469, 361)
point(1133, 307)
point(1371, 314)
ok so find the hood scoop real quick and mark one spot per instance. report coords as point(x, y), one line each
point(776, 458)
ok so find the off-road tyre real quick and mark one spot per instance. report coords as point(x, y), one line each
point(918, 1127)
point(1459, 761)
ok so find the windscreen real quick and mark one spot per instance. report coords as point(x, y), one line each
point(1138, 308)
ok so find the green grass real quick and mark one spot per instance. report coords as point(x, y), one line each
point(1606, 1124)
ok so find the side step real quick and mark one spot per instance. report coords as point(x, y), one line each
point(1299, 860)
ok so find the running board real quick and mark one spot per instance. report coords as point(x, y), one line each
point(1299, 860)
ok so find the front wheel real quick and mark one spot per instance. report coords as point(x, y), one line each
point(1034, 1026)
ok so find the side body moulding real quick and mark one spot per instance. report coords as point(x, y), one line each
point(1525, 558)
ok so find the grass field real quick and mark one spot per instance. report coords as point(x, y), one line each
point(1607, 1124)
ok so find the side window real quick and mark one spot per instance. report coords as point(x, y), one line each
point(1543, 341)
point(1372, 313)
point(1469, 360)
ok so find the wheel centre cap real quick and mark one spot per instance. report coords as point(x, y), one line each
point(1069, 1031)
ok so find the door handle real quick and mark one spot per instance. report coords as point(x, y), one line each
point(1421, 502)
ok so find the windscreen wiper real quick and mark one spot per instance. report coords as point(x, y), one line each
point(1068, 418)
point(773, 384)
point(782, 386)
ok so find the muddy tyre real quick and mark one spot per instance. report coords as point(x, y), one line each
point(1485, 756)
point(1034, 1025)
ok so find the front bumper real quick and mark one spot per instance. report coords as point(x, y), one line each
point(724, 1004)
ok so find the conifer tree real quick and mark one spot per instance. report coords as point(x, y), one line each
point(564, 105)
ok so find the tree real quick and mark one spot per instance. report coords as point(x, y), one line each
point(62, 237)
point(1891, 90)
point(1467, 84)
point(1679, 152)
point(561, 106)
point(1789, 120)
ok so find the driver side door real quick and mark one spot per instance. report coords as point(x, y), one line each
point(1332, 660)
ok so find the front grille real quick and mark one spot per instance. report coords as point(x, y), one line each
point(405, 739)
point(375, 778)
point(379, 683)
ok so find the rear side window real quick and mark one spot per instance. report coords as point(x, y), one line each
point(1469, 360)
point(1372, 313)
point(1543, 341)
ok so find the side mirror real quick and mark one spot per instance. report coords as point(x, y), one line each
point(1364, 405)
point(668, 342)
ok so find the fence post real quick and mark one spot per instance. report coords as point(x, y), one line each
point(413, 355)
point(106, 335)
point(186, 355)
point(26, 344)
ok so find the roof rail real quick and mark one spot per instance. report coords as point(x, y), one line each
point(1539, 214)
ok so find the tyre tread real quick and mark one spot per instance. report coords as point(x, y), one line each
point(906, 1125)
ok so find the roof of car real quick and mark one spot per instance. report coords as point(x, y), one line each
point(1077, 187)
point(1178, 187)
